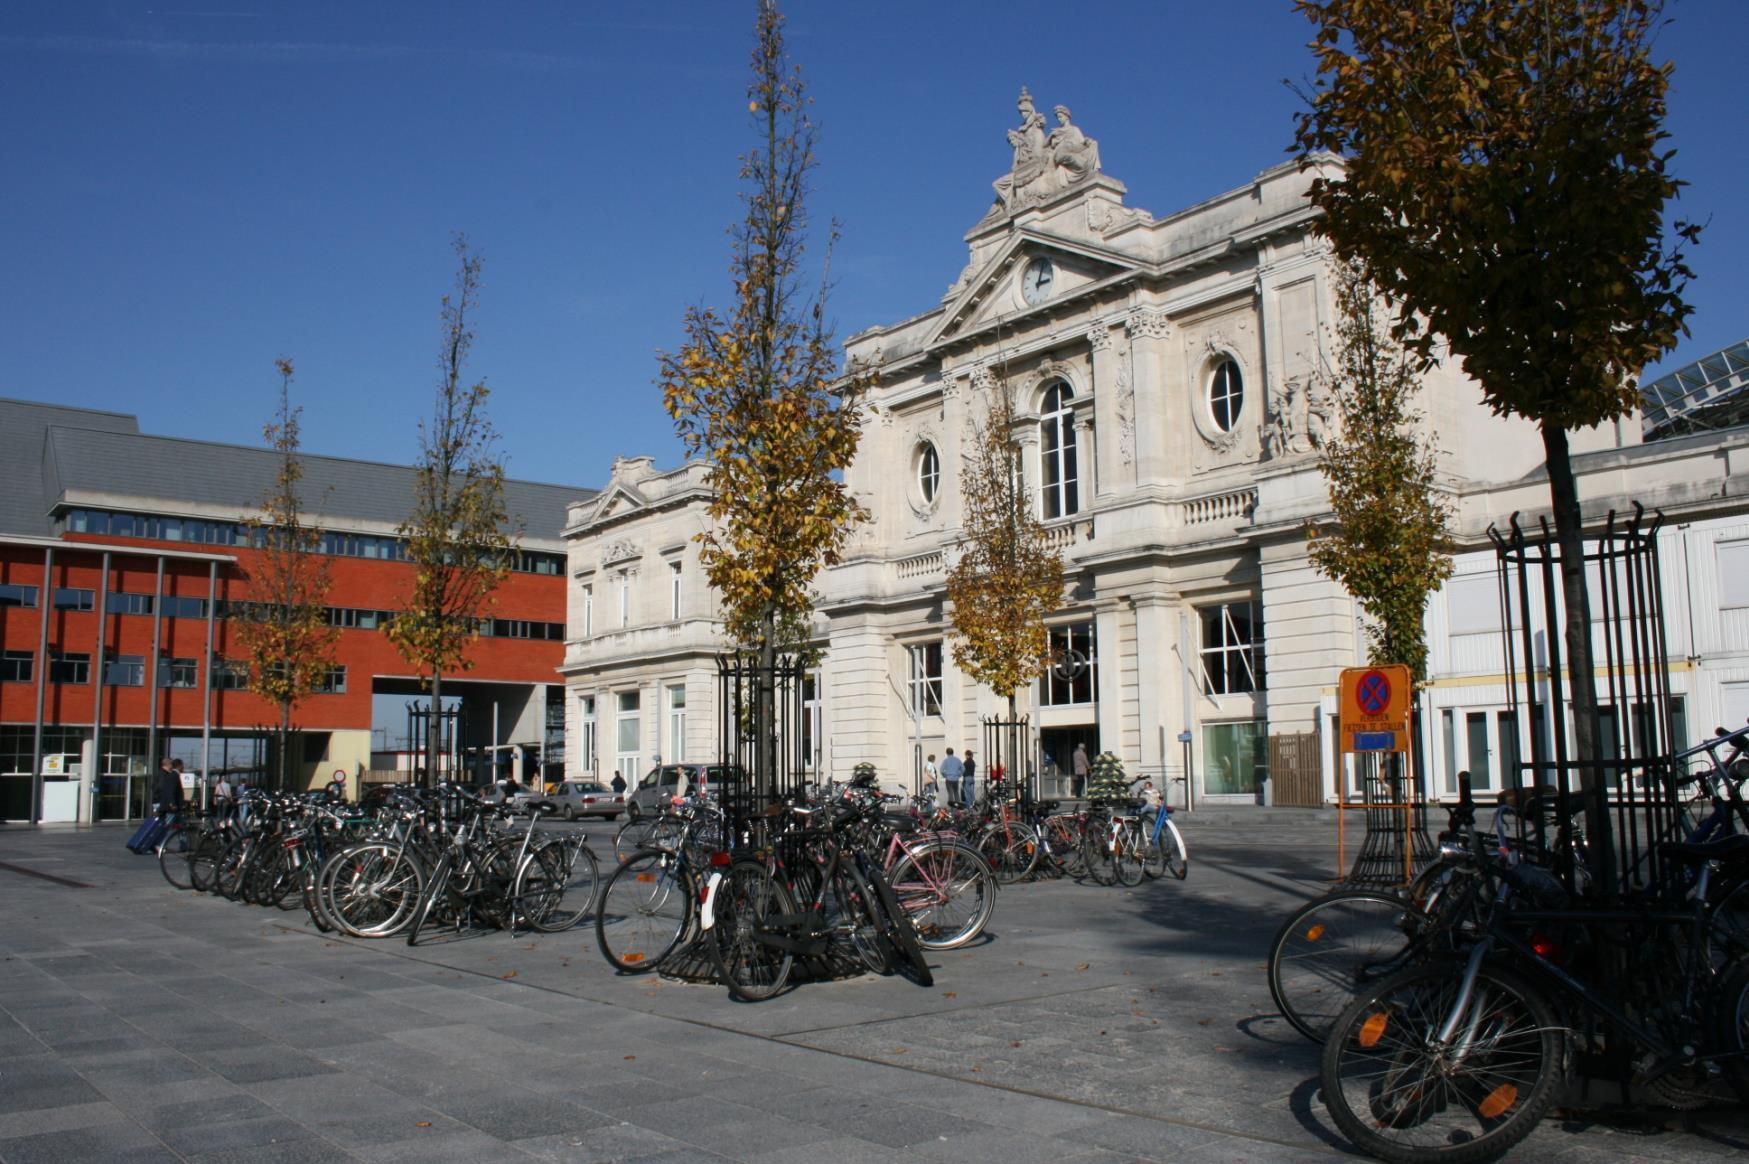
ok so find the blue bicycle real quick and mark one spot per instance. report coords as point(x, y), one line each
point(1165, 852)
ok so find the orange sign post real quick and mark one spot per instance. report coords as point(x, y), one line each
point(1374, 708)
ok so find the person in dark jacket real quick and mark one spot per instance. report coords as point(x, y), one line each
point(168, 790)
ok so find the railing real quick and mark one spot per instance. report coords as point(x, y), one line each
point(919, 565)
point(1236, 505)
point(1068, 533)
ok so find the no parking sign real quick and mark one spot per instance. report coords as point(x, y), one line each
point(1374, 714)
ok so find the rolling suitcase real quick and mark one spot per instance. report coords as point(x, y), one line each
point(149, 835)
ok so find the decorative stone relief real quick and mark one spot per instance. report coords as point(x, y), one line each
point(1044, 164)
point(1148, 325)
point(619, 551)
point(1099, 338)
point(1302, 417)
point(1125, 391)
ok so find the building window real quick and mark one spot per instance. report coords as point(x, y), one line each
point(229, 674)
point(586, 744)
point(123, 602)
point(1073, 676)
point(1059, 480)
point(17, 667)
point(520, 628)
point(1230, 757)
point(1232, 648)
point(178, 672)
point(332, 681)
point(12, 594)
point(625, 602)
point(676, 723)
point(813, 721)
point(674, 591)
point(72, 598)
point(588, 611)
point(124, 670)
point(1226, 395)
point(172, 606)
point(928, 473)
point(628, 736)
point(926, 679)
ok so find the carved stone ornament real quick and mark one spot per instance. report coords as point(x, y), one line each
point(1148, 325)
point(1044, 164)
point(983, 380)
point(619, 551)
point(1099, 338)
point(1126, 410)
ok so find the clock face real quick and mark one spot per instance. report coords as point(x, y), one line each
point(1035, 284)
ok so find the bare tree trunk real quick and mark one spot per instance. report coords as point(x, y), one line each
point(1581, 667)
point(434, 730)
point(765, 712)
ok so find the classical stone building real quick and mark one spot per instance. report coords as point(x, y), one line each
point(1166, 374)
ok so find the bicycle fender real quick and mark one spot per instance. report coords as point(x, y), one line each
point(707, 912)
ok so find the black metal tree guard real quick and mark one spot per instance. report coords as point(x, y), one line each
point(1627, 796)
point(1008, 749)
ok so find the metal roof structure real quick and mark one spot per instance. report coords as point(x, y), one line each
point(1707, 394)
point(53, 456)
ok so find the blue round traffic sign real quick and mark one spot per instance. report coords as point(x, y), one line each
point(1373, 693)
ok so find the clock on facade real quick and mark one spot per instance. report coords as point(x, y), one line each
point(1035, 283)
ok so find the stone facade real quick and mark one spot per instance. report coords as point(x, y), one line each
point(1165, 375)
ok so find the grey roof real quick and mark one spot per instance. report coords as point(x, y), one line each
point(160, 473)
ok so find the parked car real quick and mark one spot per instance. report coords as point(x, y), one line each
point(666, 781)
point(576, 798)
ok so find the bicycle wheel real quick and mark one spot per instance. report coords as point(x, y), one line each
point(173, 859)
point(1127, 858)
point(1402, 1096)
point(851, 910)
point(436, 886)
point(1096, 852)
point(1730, 1028)
point(1728, 931)
point(745, 906)
point(1170, 846)
point(576, 881)
point(646, 906)
point(371, 890)
point(1331, 949)
point(1010, 850)
point(1066, 845)
point(899, 930)
point(947, 891)
point(641, 832)
point(203, 861)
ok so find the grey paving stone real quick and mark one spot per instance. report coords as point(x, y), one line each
point(124, 1143)
point(58, 1119)
point(603, 1145)
point(838, 1150)
point(231, 1135)
point(469, 1146)
point(294, 1152)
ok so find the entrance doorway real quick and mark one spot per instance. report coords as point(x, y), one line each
point(1056, 747)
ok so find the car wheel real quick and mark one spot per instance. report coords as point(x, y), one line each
point(632, 812)
point(570, 813)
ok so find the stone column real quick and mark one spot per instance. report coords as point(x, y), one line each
point(1151, 387)
point(1110, 462)
point(1158, 675)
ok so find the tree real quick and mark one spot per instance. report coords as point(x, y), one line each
point(759, 394)
point(1008, 577)
point(1389, 546)
point(459, 535)
point(282, 625)
point(1505, 186)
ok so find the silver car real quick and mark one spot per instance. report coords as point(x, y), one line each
point(578, 798)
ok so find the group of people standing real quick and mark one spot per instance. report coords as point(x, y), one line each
point(955, 781)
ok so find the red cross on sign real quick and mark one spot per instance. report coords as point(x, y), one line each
point(1374, 709)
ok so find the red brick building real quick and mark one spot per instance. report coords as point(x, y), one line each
point(119, 554)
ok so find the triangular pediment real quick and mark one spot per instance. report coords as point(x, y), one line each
point(1032, 273)
point(617, 500)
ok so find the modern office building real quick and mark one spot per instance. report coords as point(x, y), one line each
point(120, 552)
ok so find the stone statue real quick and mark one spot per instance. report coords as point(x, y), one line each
point(1032, 157)
point(1286, 430)
point(1320, 414)
point(1072, 152)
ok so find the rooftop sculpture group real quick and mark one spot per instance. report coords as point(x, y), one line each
point(1045, 164)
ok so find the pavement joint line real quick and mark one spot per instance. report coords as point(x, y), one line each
point(67, 881)
point(788, 1041)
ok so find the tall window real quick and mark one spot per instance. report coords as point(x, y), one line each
point(676, 723)
point(1058, 478)
point(625, 601)
point(1226, 395)
point(628, 736)
point(1073, 676)
point(588, 611)
point(813, 721)
point(674, 591)
point(586, 742)
point(1232, 648)
point(926, 679)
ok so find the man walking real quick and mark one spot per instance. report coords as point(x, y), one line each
point(969, 779)
point(951, 768)
point(931, 779)
point(1082, 769)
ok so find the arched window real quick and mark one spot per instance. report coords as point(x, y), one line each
point(928, 473)
point(1226, 395)
point(1059, 481)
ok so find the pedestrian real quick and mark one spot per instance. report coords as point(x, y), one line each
point(951, 768)
point(170, 797)
point(969, 779)
point(1082, 769)
point(337, 787)
point(242, 798)
point(619, 782)
point(931, 779)
point(224, 798)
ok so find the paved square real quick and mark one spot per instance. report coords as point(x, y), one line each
point(141, 1023)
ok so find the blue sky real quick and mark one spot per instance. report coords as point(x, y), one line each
point(194, 187)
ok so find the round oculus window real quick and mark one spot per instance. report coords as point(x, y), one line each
point(1226, 395)
point(928, 472)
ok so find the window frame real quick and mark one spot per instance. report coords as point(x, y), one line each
point(1059, 478)
point(1230, 648)
point(1225, 394)
point(924, 681)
